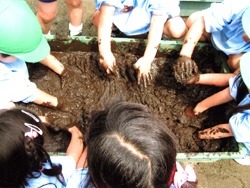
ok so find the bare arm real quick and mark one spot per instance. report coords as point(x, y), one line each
point(75, 147)
point(143, 65)
point(192, 37)
point(218, 98)
point(45, 99)
point(215, 79)
point(107, 59)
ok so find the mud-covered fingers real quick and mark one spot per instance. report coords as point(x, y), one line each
point(147, 78)
point(138, 76)
point(189, 111)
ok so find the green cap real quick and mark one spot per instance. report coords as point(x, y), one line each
point(20, 32)
point(246, 21)
point(245, 67)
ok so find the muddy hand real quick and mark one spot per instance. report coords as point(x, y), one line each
point(186, 70)
point(109, 64)
point(65, 76)
point(143, 72)
point(189, 111)
point(63, 105)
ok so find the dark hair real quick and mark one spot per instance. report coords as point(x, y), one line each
point(21, 156)
point(4, 55)
point(128, 146)
point(241, 94)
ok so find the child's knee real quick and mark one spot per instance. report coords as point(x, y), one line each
point(233, 61)
point(175, 28)
point(74, 3)
point(191, 19)
point(47, 16)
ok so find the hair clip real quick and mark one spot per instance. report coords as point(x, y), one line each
point(31, 115)
point(182, 176)
point(34, 131)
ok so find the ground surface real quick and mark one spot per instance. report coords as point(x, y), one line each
point(223, 173)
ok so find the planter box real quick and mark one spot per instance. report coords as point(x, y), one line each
point(188, 7)
point(83, 43)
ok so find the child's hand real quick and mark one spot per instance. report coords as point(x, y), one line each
point(143, 71)
point(107, 61)
point(186, 70)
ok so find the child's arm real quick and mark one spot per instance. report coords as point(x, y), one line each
point(75, 147)
point(216, 132)
point(45, 99)
point(217, 99)
point(143, 65)
point(82, 162)
point(215, 79)
point(192, 37)
point(107, 59)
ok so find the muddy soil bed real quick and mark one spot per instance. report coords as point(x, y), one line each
point(88, 87)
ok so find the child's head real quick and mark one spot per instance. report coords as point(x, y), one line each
point(128, 146)
point(244, 69)
point(246, 23)
point(7, 58)
point(21, 153)
point(21, 34)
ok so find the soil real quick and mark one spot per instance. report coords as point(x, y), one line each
point(86, 87)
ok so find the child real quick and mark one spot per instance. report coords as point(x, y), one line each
point(154, 17)
point(23, 160)
point(47, 11)
point(238, 90)
point(127, 146)
point(226, 25)
point(20, 43)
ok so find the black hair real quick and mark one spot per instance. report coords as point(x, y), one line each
point(241, 94)
point(4, 55)
point(22, 157)
point(128, 146)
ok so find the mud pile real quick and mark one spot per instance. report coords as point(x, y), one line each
point(88, 87)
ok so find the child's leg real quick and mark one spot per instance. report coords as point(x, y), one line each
point(233, 61)
point(175, 28)
point(75, 10)
point(95, 18)
point(215, 79)
point(46, 13)
point(216, 132)
point(51, 62)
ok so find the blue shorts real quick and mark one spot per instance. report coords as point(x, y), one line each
point(47, 1)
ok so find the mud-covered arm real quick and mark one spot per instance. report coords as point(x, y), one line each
point(192, 37)
point(107, 59)
point(143, 65)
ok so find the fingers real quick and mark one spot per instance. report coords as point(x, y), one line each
point(145, 77)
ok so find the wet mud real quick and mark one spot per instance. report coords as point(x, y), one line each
point(87, 87)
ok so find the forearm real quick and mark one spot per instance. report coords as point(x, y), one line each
point(154, 37)
point(214, 100)
point(215, 79)
point(45, 99)
point(192, 37)
point(75, 147)
point(82, 162)
point(216, 132)
point(104, 28)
